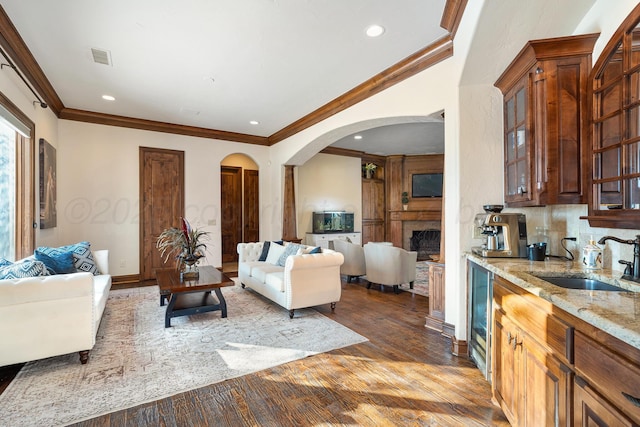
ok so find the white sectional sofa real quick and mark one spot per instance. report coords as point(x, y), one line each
point(52, 315)
point(305, 280)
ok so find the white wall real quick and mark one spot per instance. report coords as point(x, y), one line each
point(325, 183)
point(98, 181)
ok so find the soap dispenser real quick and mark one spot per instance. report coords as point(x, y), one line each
point(592, 256)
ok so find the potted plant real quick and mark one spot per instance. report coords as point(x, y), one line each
point(405, 200)
point(186, 244)
point(369, 170)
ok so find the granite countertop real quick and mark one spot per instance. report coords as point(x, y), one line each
point(617, 313)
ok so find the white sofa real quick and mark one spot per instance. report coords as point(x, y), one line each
point(52, 315)
point(306, 280)
point(389, 266)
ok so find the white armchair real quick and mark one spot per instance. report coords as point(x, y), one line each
point(389, 266)
point(354, 264)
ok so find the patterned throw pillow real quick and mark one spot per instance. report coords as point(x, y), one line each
point(290, 249)
point(82, 257)
point(4, 262)
point(61, 263)
point(23, 269)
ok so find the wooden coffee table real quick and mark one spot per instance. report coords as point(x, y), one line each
point(192, 296)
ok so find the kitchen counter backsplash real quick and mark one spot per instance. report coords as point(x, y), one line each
point(617, 313)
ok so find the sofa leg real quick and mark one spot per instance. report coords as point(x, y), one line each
point(291, 314)
point(368, 285)
point(84, 356)
point(242, 285)
point(410, 285)
point(396, 290)
point(333, 306)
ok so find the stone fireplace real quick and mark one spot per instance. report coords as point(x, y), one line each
point(422, 237)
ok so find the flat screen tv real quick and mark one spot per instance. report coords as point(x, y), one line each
point(426, 185)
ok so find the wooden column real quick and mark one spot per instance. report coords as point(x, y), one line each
point(289, 225)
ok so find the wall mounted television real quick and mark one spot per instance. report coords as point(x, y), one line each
point(426, 185)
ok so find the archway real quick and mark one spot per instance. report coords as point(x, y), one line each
point(240, 204)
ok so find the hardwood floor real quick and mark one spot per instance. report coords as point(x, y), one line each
point(404, 375)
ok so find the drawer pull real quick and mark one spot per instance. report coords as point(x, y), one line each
point(634, 400)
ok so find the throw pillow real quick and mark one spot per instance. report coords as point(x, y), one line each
point(4, 262)
point(20, 270)
point(59, 263)
point(275, 250)
point(82, 257)
point(265, 251)
point(316, 250)
point(290, 249)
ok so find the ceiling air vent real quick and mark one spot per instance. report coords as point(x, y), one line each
point(101, 56)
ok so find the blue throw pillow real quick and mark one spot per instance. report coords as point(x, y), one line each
point(57, 263)
point(23, 269)
point(82, 257)
point(4, 262)
point(316, 250)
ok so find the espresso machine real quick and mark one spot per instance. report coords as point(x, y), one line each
point(504, 235)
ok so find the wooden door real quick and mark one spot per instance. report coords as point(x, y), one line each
point(161, 202)
point(505, 366)
point(231, 211)
point(251, 208)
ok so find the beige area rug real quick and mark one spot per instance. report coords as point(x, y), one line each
point(137, 360)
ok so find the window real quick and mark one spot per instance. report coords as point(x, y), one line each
point(17, 188)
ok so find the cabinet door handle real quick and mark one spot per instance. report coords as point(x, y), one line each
point(516, 343)
point(634, 400)
point(509, 338)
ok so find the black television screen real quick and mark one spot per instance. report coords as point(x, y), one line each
point(426, 185)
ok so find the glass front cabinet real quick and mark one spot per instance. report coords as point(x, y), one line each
point(545, 122)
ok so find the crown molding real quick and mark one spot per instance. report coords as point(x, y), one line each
point(452, 15)
point(14, 45)
point(150, 125)
point(419, 61)
point(17, 50)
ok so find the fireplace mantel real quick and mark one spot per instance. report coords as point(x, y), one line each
point(432, 215)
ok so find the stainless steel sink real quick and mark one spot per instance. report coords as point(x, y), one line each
point(582, 283)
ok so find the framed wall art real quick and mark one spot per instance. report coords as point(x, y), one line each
point(48, 215)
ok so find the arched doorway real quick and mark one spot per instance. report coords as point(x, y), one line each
point(240, 204)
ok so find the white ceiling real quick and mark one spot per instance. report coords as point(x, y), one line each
point(218, 64)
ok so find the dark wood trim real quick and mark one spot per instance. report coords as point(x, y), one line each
point(459, 348)
point(289, 218)
point(16, 48)
point(452, 15)
point(342, 152)
point(150, 125)
point(449, 330)
point(419, 61)
point(434, 324)
point(125, 279)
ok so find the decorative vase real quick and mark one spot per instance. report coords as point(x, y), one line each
point(404, 207)
point(189, 270)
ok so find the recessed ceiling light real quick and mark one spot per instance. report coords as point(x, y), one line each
point(375, 30)
point(108, 98)
point(254, 122)
point(357, 137)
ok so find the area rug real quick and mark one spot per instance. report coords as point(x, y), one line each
point(137, 360)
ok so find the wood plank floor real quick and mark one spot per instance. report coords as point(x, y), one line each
point(404, 375)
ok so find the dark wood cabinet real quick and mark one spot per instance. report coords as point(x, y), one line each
point(551, 368)
point(615, 148)
point(546, 122)
point(373, 202)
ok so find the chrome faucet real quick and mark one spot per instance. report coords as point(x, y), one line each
point(632, 272)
